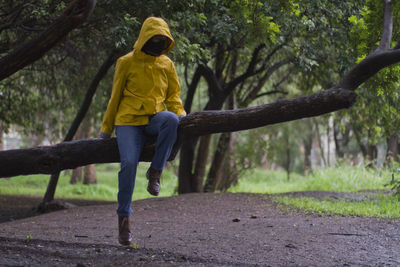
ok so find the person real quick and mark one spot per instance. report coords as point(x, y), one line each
point(145, 85)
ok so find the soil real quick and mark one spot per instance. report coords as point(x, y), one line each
point(194, 230)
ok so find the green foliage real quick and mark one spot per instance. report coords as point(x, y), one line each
point(375, 115)
point(394, 184)
point(28, 238)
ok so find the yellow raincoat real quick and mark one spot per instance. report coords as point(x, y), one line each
point(143, 85)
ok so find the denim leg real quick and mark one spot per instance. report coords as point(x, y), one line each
point(130, 143)
point(165, 125)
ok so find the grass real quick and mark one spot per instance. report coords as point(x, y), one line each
point(106, 189)
point(342, 179)
point(383, 206)
point(339, 179)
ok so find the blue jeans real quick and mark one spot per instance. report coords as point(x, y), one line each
point(130, 144)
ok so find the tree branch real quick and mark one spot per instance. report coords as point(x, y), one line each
point(387, 27)
point(89, 96)
point(249, 71)
point(69, 155)
point(13, 17)
point(192, 89)
point(271, 93)
point(208, 122)
point(212, 80)
point(253, 93)
point(35, 48)
point(368, 68)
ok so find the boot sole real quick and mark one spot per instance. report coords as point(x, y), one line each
point(153, 193)
point(124, 243)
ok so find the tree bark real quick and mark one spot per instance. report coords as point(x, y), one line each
point(307, 143)
point(321, 146)
point(229, 174)
point(90, 176)
point(201, 163)
point(32, 50)
point(185, 174)
point(340, 142)
point(372, 153)
point(76, 175)
point(288, 153)
point(392, 148)
point(362, 147)
point(1, 136)
point(219, 161)
point(215, 172)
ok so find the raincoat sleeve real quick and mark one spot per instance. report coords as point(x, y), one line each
point(112, 108)
point(173, 100)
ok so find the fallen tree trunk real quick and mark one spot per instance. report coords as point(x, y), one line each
point(69, 155)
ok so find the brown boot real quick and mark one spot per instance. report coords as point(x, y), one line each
point(153, 187)
point(124, 236)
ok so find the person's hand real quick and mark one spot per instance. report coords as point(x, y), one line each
point(104, 135)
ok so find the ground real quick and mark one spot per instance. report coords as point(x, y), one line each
point(194, 230)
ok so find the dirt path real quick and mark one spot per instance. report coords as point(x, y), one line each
point(200, 230)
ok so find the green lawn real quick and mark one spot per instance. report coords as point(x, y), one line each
point(341, 179)
point(383, 206)
point(106, 189)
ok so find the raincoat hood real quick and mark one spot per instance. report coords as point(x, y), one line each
point(143, 85)
point(153, 26)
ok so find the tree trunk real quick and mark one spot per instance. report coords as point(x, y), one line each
point(362, 147)
point(215, 173)
point(201, 163)
point(307, 143)
point(321, 147)
point(90, 176)
point(328, 142)
point(288, 156)
point(338, 148)
point(1, 136)
point(185, 174)
point(229, 175)
point(392, 148)
point(372, 152)
point(76, 175)
point(341, 139)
